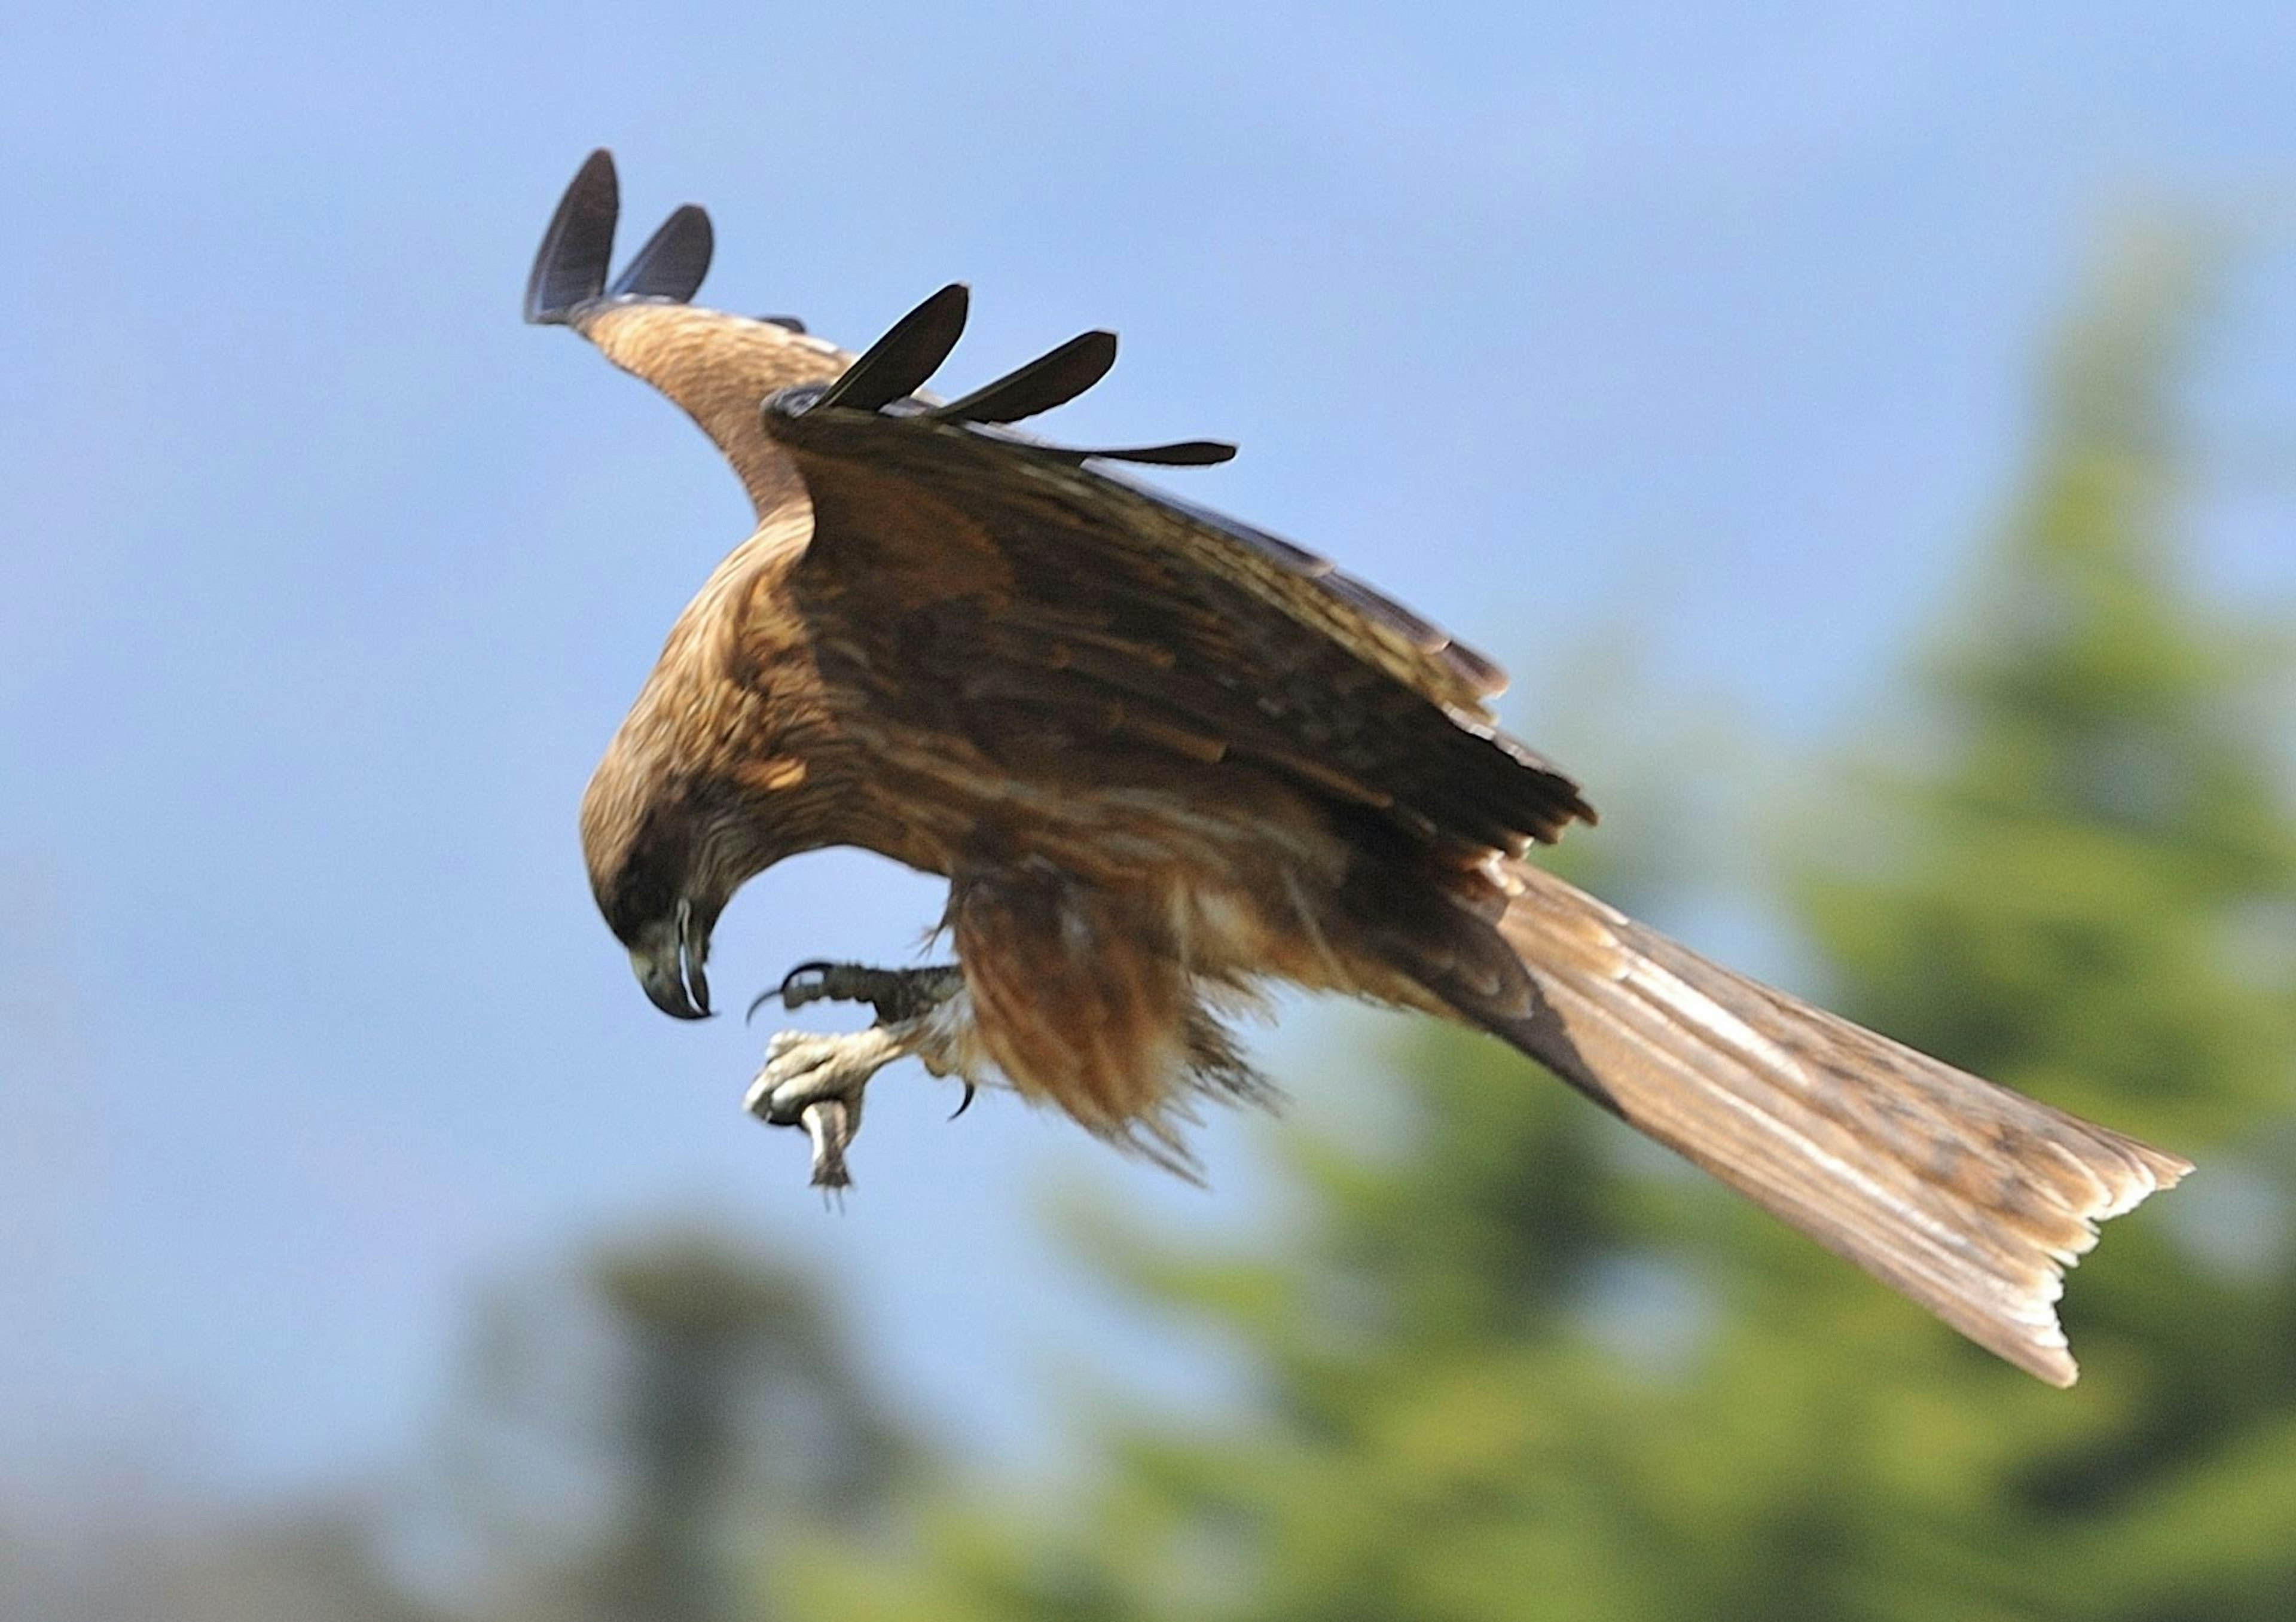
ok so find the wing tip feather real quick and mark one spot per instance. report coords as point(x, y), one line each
point(674, 261)
point(569, 267)
point(887, 379)
point(568, 280)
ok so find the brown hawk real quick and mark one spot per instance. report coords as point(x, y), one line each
point(1164, 760)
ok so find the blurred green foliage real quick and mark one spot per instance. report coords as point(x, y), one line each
point(647, 1438)
point(1519, 1370)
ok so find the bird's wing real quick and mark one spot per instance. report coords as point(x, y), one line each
point(986, 580)
point(716, 366)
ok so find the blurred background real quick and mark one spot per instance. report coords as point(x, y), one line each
point(1866, 433)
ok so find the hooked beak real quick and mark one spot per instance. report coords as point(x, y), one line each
point(668, 960)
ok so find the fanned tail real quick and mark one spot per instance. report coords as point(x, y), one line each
point(1964, 1196)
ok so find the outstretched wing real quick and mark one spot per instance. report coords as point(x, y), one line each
point(985, 581)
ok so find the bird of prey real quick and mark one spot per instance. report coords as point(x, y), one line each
point(1166, 760)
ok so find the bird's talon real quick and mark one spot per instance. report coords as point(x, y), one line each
point(792, 993)
point(814, 1080)
point(795, 992)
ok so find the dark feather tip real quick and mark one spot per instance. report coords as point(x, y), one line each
point(673, 262)
point(897, 364)
point(1050, 379)
point(1186, 454)
point(569, 269)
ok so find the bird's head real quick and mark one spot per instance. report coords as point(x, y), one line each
point(661, 883)
point(708, 782)
point(664, 860)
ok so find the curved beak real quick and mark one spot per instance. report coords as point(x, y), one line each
point(668, 960)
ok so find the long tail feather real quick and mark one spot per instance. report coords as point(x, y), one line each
point(1967, 1198)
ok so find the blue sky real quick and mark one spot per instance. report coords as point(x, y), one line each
point(324, 580)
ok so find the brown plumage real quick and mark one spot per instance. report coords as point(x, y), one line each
point(1165, 759)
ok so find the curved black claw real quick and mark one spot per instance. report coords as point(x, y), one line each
point(790, 994)
point(970, 1092)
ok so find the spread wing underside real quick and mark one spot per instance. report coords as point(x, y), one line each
point(991, 579)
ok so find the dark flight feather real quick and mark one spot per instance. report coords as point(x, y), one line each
point(1180, 453)
point(674, 262)
point(897, 366)
point(1051, 380)
point(569, 268)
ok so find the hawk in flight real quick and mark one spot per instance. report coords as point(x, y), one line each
point(1164, 760)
